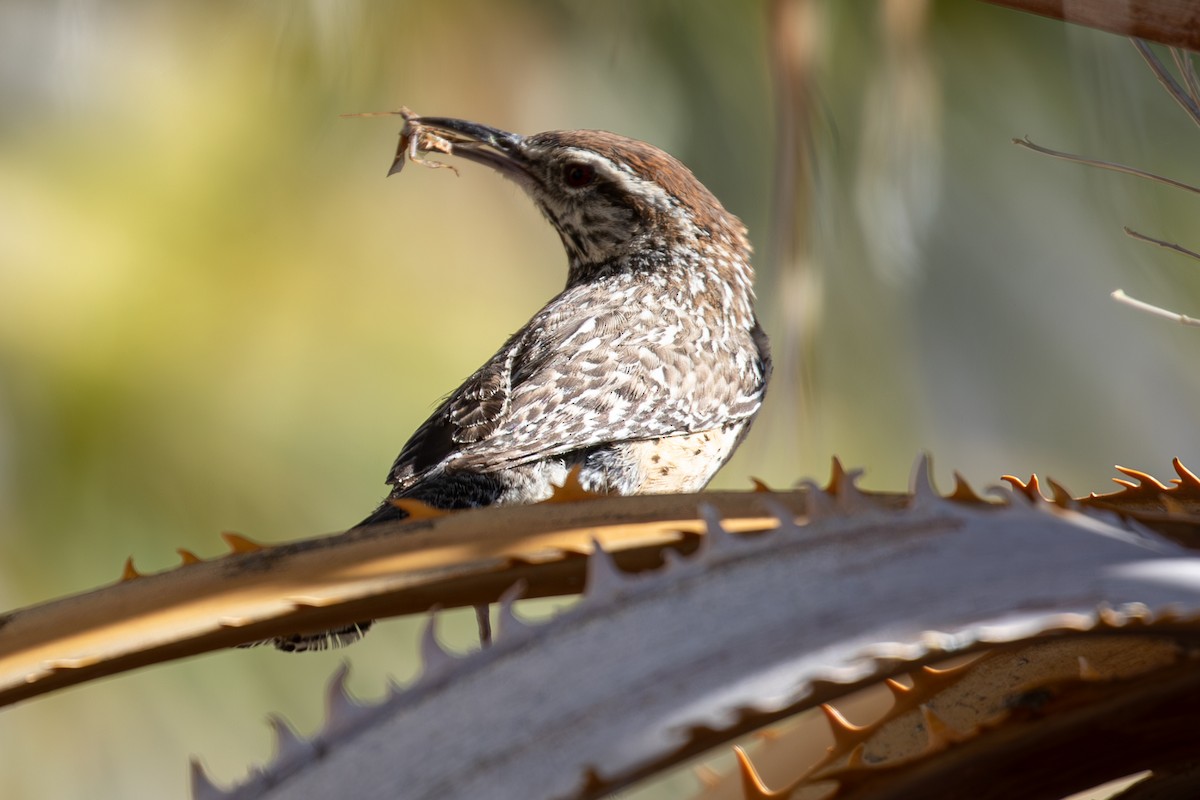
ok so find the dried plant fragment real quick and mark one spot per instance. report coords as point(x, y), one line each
point(414, 140)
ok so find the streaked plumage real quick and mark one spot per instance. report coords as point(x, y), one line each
point(646, 370)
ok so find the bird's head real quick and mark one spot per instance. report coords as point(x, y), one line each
point(617, 203)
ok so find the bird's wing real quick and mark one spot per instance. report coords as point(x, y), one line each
point(471, 413)
point(568, 382)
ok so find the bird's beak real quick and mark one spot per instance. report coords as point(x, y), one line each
point(501, 150)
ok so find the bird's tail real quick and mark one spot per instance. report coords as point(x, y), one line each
point(325, 640)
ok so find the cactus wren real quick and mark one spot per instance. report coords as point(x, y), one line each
point(644, 372)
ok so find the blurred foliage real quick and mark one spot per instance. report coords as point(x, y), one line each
point(216, 314)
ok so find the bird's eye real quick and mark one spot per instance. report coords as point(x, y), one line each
point(578, 175)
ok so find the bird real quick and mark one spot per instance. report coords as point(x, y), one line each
point(641, 376)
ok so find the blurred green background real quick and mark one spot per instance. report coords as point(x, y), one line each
point(216, 314)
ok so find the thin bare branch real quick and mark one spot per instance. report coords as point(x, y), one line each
point(1109, 165)
point(1182, 319)
point(1187, 70)
point(1190, 74)
point(1178, 248)
point(1185, 100)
